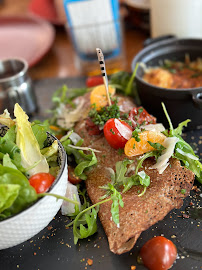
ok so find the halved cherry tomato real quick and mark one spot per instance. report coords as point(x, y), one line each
point(94, 81)
point(159, 253)
point(117, 132)
point(41, 182)
point(72, 178)
point(138, 115)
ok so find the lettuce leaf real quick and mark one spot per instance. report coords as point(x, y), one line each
point(40, 134)
point(8, 194)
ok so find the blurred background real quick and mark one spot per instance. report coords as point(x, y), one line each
point(37, 30)
point(44, 32)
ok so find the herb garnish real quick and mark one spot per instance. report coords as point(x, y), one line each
point(135, 134)
point(183, 191)
point(140, 110)
point(120, 151)
point(111, 130)
point(100, 117)
point(157, 146)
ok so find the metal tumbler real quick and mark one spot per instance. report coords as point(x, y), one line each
point(16, 86)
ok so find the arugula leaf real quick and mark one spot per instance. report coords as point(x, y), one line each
point(157, 146)
point(144, 178)
point(91, 225)
point(79, 170)
point(188, 158)
point(136, 179)
point(116, 201)
point(121, 169)
point(183, 151)
point(82, 160)
point(90, 217)
point(178, 130)
point(66, 95)
point(131, 181)
point(60, 95)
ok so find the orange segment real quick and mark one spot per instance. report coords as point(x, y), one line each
point(134, 148)
point(99, 97)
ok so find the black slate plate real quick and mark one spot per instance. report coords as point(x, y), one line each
point(53, 247)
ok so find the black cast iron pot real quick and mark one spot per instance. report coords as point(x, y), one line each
point(181, 104)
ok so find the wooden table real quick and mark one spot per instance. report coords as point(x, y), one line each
point(59, 61)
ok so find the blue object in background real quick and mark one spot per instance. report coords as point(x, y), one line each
point(92, 24)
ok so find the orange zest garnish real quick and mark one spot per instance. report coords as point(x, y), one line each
point(98, 96)
point(134, 148)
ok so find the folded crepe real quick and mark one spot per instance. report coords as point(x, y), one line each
point(138, 213)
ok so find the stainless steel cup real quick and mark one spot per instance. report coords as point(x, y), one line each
point(16, 86)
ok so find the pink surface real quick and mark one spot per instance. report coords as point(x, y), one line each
point(25, 37)
point(46, 10)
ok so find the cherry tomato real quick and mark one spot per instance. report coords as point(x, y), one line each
point(72, 178)
point(41, 182)
point(117, 132)
point(92, 128)
point(158, 253)
point(94, 81)
point(138, 115)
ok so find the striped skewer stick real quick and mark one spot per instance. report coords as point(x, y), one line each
point(103, 71)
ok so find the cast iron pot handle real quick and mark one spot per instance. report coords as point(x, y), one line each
point(150, 41)
point(197, 99)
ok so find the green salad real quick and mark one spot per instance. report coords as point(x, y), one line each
point(28, 163)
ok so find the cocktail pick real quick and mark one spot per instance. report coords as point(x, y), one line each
point(103, 71)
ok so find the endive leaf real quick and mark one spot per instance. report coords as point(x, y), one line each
point(28, 144)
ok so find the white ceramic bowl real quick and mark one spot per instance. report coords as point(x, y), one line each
point(32, 220)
